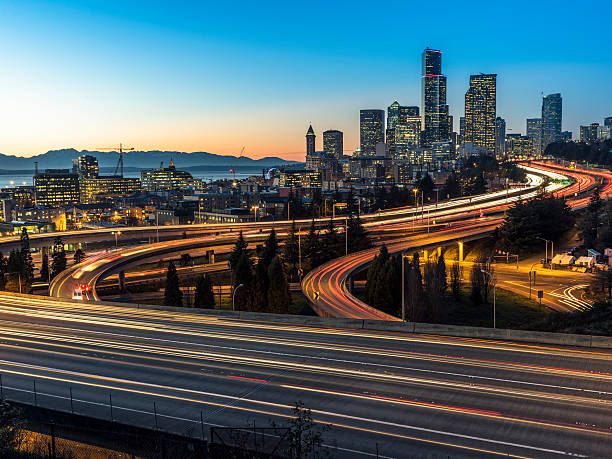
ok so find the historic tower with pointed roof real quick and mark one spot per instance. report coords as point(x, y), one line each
point(310, 141)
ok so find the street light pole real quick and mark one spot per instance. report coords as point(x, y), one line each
point(494, 292)
point(530, 271)
point(234, 297)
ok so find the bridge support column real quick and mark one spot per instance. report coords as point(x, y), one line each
point(122, 281)
point(211, 256)
point(439, 249)
point(425, 255)
point(460, 252)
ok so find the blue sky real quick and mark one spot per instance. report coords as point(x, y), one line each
point(218, 76)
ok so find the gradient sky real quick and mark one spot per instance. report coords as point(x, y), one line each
point(203, 76)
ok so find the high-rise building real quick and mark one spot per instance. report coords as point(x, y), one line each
point(461, 128)
point(608, 121)
point(407, 138)
point(168, 178)
point(566, 136)
point(85, 166)
point(372, 130)
point(433, 98)
point(406, 112)
point(480, 106)
point(552, 113)
point(534, 130)
point(392, 114)
point(56, 187)
point(500, 136)
point(519, 145)
point(310, 141)
point(333, 143)
point(588, 134)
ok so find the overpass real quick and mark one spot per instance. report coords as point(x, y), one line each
point(326, 286)
point(384, 393)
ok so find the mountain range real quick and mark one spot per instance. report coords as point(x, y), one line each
point(62, 159)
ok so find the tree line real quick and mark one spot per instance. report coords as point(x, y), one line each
point(596, 152)
point(428, 286)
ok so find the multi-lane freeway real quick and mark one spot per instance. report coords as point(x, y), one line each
point(403, 395)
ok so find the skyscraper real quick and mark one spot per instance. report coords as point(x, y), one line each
point(310, 141)
point(480, 106)
point(371, 130)
point(534, 130)
point(500, 136)
point(433, 102)
point(333, 143)
point(392, 114)
point(552, 112)
point(407, 112)
point(608, 121)
point(85, 166)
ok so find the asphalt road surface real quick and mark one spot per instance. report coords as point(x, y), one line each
point(407, 395)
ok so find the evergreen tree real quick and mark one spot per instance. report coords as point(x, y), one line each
point(456, 273)
point(58, 258)
point(239, 248)
point(243, 275)
point(331, 242)
point(79, 256)
point(3, 271)
point(414, 295)
point(186, 259)
point(44, 267)
point(27, 272)
point(452, 188)
point(261, 286)
point(172, 293)
point(358, 238)
point(270, 249)
point(204, 296)
point(279, 297)
point(476, 281)
point(312, 247)
point(291, 252)
point(441, 273)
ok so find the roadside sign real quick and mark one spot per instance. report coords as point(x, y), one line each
point(300, 272)
point(315, 295)
point(540, 293)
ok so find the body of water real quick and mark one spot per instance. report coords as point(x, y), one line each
point(19, 178)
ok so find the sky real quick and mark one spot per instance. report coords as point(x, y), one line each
point(220, 76)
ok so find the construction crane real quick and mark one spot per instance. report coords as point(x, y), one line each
point(121, 149)
point(233, 169)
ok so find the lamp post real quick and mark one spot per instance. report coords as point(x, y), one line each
point(416, 207)
point(493, 281)
point(234, 296)
point(116, 234)
point(552, 248)
point(404, 256)
point(530, 271)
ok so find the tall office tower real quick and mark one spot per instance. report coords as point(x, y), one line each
point(433, 98)
point(407, 138)
point(333, 143)
point(500, 136)
point(85, 166)
point(310, 141)
point(480, 105)
point(451, 122)
point(608, 121)
point(461, 128)
point(405, 113)
point(534, 130)
point(588, 134)
point(552, 111)
point(371, 130)
point(566, 136)
point(392, 114)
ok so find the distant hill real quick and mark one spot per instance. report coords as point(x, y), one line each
point(62, 159)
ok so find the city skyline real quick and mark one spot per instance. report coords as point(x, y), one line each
point(152, 88)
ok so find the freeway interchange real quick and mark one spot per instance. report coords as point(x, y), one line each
point(384, 393)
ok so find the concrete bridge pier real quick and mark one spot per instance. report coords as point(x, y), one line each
point(122, 281)
point(210, 254)
point(460, 251)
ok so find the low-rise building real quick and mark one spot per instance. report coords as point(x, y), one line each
point(98, 189)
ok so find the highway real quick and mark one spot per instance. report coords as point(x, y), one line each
point(405, 394)
point(326, 286)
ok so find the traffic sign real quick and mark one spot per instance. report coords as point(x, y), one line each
point(300, 272)
point(315, 295)
point(540, 293)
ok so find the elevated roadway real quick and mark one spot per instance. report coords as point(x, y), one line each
point(326, 286)
point(384, 394)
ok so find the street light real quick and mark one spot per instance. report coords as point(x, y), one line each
point(116, 234)
point(234, 296)
point(493, 281)
point(404, 256)
point(552, 248)
point(530, 271)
